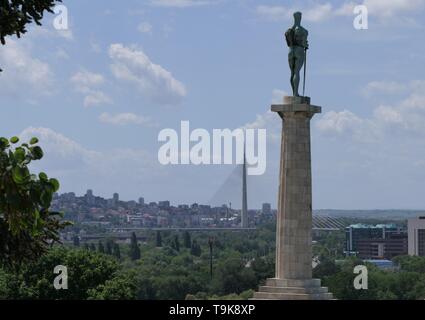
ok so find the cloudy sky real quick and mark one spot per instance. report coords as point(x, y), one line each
point(98, 94)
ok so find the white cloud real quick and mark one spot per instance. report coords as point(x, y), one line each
point(384, 87)
point(95, 46)
point(270, 120)
point(405, 116)
point(318, 13)
point(122, 119)
point(66, 34)
point(61, 53)
point(181, 3)
point(277, 96)
point(61, 153)
point(275, 13)
point(87, 79)
point(338, 122)
point(87, 83)
point(382, 9)
point(388, 9)
point(315, 13)
point(145, 27)
point(79, 168)
point(46, 32)
point(346, 9)
point(22, 71)
point(388, 115)
point(96, 98)
point(152, 80)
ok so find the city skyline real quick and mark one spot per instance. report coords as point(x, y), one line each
point(97, 99)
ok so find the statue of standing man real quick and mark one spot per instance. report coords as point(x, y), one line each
point(296, 38)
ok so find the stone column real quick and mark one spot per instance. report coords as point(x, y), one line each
point(294, 221)
point(293, 278)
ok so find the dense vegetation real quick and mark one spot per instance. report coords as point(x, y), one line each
point(168, 272)
point(407, 283)
point(176, 265)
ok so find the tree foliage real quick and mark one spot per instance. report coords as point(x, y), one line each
point(175, 244)
point(158, 239)
point(121, 287)
point(109, 246)
point(86, 270)
point(134, 248)
point(195, 249)
point(408, 283)
point(187, 240)
point(116, 251)
point(27, 226)
point(15, 15)
point(101, 247)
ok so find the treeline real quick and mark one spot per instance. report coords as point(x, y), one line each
point(168, 265)
point(406, 282)
point(176, 265)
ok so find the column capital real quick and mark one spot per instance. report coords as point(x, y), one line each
point(296, 110)
point(296, 106)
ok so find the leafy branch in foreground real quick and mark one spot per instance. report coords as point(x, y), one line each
point(16, 14)
point(27, 226)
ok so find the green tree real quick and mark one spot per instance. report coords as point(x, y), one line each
point(187, 240)
point(195, 249)
point(263, 268)
point(109, 246)
point(27, 226)
point(158, 239)
point(92, 247)
point(116, 252)
point(233, 277)
point(411, 263)
point(76, 241)
point(327, 267)
point(134, 248)
point(122, 287)
point(175, 244)
point(101, 247)
point(10, 286)
point(86, 270)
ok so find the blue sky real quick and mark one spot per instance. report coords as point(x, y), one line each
point(98, 94)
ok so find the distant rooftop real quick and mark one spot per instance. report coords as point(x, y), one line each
point(382, 264)
point(370, 226)
point(379, 261)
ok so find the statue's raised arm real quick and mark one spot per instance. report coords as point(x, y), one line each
point(297, 41)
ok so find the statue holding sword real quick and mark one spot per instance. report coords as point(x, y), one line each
point(296, 39)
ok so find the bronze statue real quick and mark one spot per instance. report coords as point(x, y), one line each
point(296, 38)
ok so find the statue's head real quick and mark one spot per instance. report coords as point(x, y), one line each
point(297, 17)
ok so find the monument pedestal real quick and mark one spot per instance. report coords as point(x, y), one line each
point(293, 280)
point(290, 289)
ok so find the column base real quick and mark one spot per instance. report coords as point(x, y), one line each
point(290, 289)
point(296, 100)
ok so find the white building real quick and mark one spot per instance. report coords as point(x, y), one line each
point(416, 234)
